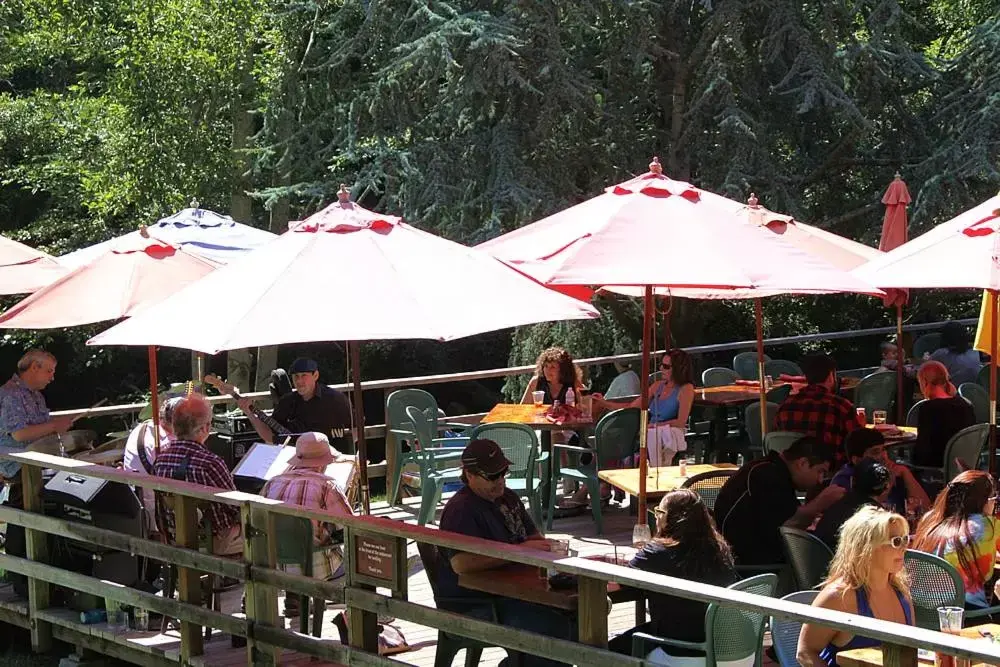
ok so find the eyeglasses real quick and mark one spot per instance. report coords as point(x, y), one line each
point(899, 541)
point(492, 477)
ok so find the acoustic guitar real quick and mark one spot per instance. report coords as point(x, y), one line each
point(226, 388)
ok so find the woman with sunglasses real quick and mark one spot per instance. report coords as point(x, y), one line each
point(961, 528)
point(686, 544)
point(866, 578)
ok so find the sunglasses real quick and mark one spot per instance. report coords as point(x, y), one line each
point(666, 367)
point(492, 477)
point(899, 541)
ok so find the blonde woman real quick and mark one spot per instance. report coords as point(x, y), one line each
point(866, 578)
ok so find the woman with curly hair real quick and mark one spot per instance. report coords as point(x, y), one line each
point(961, 529)
point(866, 578)
point(555, 372)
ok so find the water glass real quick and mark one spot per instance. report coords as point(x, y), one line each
point(140, 618)
point(560, 549)
point(879, 417)
point(641, 535)
point(116, 615)
point(538, 397)
point(862, 416)
point(768, 382)
point(950, 621)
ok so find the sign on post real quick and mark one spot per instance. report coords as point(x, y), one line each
point(378, 560)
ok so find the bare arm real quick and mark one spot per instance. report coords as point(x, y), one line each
point(636, 402)
point(266, 434)
point(462, 563)
point(913, 488)
point(814, 638)
point(527, 399)
point(36, 431)
point(805, 515)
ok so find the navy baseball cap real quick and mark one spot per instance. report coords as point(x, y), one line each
point(484, 456)
point(303, 365)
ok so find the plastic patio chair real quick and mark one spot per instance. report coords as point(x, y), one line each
point(876, 392)
point(808, 555)
point(965, 447)
point(745, 363)
point(717, 376)
point(983, 378)
point(785, 633)
point(520, 445)
point(400, 432)
point(751, 419)
point(708, 484)
point(437, 464)
point(979, 398)
point(614, 438)
point(778, 367)
point(927, 343)
point(779, 441)
point(913, 414)
point(294, 546)
point(733, 636)
point(934, 583)
point(448, 645)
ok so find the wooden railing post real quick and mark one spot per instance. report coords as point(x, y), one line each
point(37, 550)
point(894, 655)
point(362, 625)
point(188, 580)
point(593, 614)
point(261, 600)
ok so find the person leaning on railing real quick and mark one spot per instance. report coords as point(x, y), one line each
point(484, 507)
point(866, 578)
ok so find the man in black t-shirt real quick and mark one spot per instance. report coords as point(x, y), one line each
point(312, 407)
point(761, 497)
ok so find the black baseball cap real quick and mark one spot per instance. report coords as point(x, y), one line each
point(303, 365)
point(484, 456)
point(871, 478)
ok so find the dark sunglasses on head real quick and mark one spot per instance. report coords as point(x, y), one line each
point(492, 477)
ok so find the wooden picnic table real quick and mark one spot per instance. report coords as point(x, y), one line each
point(658, 480)
point(872, 657)
point(533, 416)
point(729, 395)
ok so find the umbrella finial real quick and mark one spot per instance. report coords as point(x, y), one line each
point(899, 176)
point(753, 202)
point(655, 167)
point(194, 203)
point(144, 231)
point(343, 194)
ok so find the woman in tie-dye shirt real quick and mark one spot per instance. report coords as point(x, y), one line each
point(961, 529)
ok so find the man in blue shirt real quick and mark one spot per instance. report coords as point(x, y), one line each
point(868, 443)
point(484, 507)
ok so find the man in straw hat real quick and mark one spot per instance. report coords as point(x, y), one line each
point(306, 483)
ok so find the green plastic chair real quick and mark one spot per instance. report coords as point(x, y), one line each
point(876, 392)
point(785, 633)
point(751, 419)
point(934, 582)
point(777, 367)
point(927, 343)
point(979, 398)
point(436, 464)
point(912, 416)
point(966, 446)
point(779, 441)
point(400, 432)
point(294, 546)
point(717, 376)
point(745, 363)
point(520, 445)
point(732, 635)
point(615, 438)
point(707, 485)
point(808, 555)
point(983, 378)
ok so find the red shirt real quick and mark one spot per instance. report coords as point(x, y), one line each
point(818, 412)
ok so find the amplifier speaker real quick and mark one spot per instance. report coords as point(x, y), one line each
point(231, 448)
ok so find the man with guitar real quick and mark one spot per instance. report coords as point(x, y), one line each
point(312, 407)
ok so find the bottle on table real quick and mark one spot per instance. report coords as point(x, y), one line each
point(570, 397)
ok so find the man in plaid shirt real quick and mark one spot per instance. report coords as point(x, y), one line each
point(817, 411)
point(305, 483)
point(187, 459)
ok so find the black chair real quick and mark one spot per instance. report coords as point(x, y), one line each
point(807, 554)
point(448, 645)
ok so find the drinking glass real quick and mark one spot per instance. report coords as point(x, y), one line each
point(768, 382)
point(558, 548)
point(116, 615)
point(141, 618)
point(641, 535)
point(879, 417)
point(862, 416)
point(950, 621)
point(538, 397)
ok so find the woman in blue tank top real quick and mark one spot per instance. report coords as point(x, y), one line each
point(866, 578)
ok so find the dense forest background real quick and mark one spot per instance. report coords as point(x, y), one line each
point(471, 117)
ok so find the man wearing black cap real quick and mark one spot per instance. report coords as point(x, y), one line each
point(871, 484)
point(484, 507)
point(312, 407)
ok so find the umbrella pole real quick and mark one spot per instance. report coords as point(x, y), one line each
point(899, 363)
point(995, 303)
point(154, 399)
point(354, 350)
point(647, 322)
point(758, 311)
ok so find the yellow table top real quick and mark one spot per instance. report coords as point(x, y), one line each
point(658, 480)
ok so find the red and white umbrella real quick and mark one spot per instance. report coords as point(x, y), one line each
point(24, 269)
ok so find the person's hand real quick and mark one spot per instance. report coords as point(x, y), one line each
point(537, 545)
point(245, 404)
point(597, 396)
point(829, 496)
point(62, 424)
point(996, 589)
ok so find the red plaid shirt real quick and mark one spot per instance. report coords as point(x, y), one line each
point(816, 411)
point(205, 468)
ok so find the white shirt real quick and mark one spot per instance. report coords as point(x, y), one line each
point(131, 460)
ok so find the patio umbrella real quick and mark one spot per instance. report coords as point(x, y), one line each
point(961, 253)
point(133, 274)
point(347, 273)
point(198, 231)
point(24, 269)
point(895, 232)
point(654, 232)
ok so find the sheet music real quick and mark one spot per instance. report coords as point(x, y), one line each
point(265, 461)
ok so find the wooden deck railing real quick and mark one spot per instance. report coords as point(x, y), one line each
point(384, 538)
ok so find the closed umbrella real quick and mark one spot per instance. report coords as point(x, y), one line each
point(24, 269)
point(895, 232)
point(347, 273)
